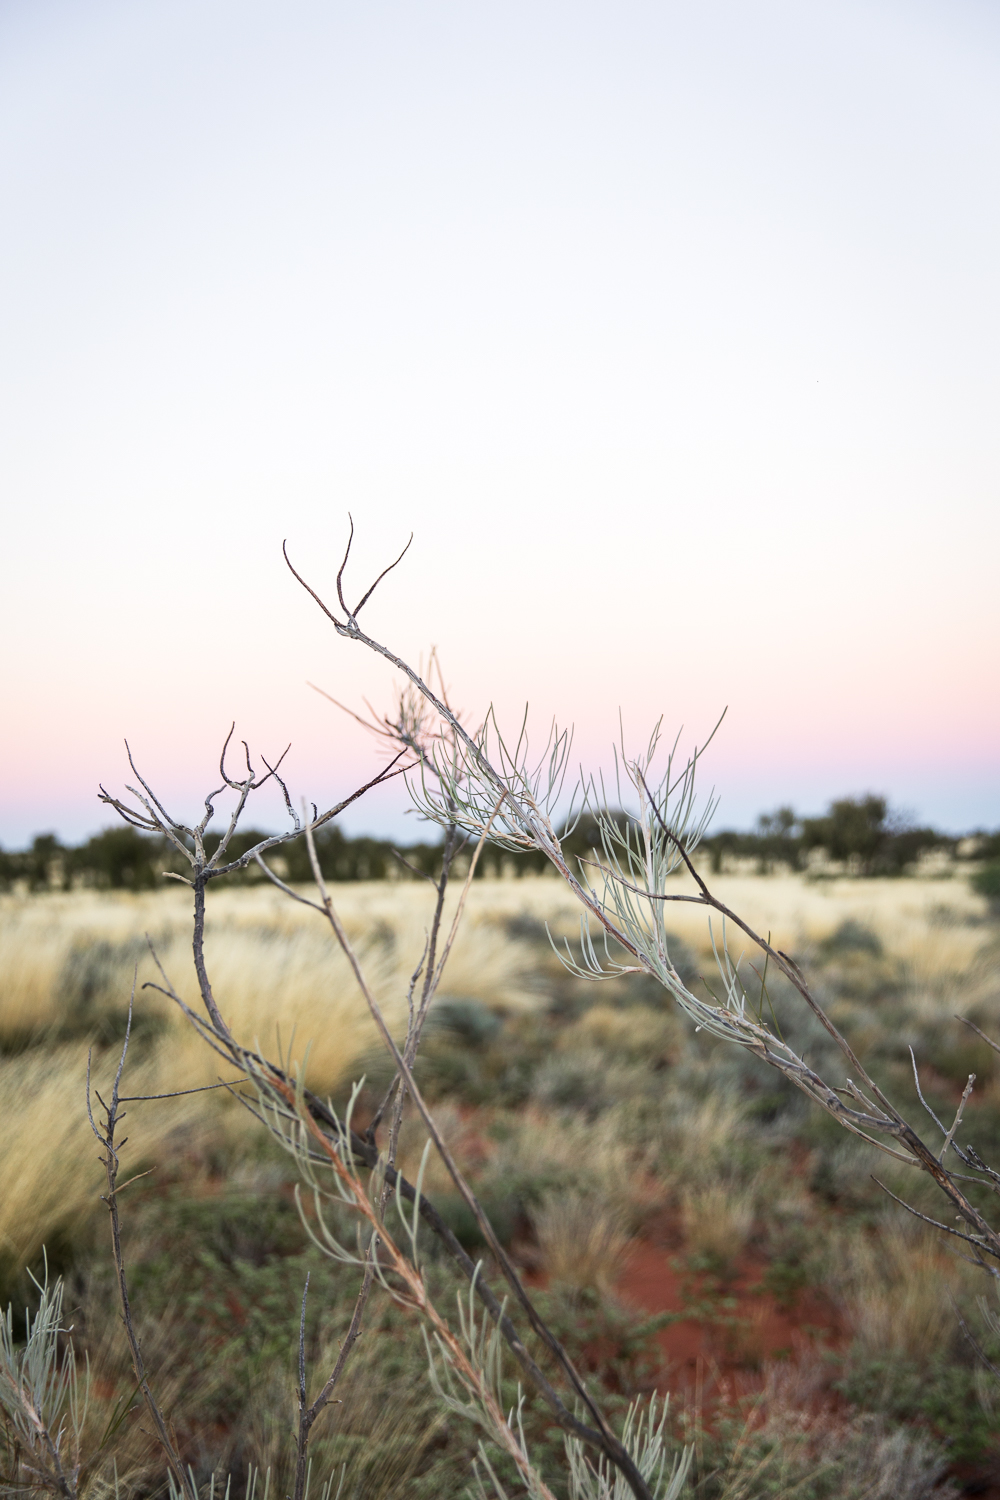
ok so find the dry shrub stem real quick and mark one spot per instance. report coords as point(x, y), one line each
point(110, 1160)
point(308, 1414)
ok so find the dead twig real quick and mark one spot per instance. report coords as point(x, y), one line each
point(111, 1149)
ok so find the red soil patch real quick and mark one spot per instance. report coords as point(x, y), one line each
point(706, 1357)
point(736, 1328)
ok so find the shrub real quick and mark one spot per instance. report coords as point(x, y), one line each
point(986, 882)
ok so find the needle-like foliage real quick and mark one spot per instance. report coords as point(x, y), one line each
point(43, 1397)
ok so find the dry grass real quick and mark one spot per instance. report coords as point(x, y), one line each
point(67, 967)
point(931, 925)
point(50, 1175)
point(583, 1241)
point(636, 1033)
point(273, 965)
point(927, 924)
point(718, 1219)
point(586, 1176)
point(899, 1288)
point(793, 1436)
point(67, 970)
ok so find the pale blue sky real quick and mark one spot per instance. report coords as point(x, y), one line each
point(673, 331)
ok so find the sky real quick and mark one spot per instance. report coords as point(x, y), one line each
point(671, 332)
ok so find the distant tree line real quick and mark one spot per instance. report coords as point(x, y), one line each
point(123, 859)
point(860, 833)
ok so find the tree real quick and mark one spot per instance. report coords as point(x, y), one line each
point(119, 859)
point(853, 828)
point(42, 863)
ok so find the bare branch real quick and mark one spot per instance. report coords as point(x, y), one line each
point(949, 1138)
point(916, 1080)
point(222, 757)
point(936, 1223)
point(312, 591)
point(420, 874)
point(174, 1093)
point(112, 1116)
point(973, 1027)
point(358, 607)
point(340, 571)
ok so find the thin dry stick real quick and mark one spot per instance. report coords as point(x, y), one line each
point(432, 978)
point(111, 1164)
point(308, 1415)
point(973, 1027)
point(431, 982)
point(946, 1228)
point(966, 1092)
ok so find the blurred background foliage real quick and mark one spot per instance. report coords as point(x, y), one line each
point(689, 1222)
point(860, 836)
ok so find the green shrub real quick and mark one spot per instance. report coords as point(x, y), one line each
point(986, 882)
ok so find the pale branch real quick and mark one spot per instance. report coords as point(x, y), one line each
point(973, 1027)
point(920, 1096)
point(156, 820)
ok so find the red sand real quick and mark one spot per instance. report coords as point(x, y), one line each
point(704, 1358)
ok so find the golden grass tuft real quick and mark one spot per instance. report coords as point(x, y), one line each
point(899, 1303)
point(583, 1240)
point(718, 1219)
point(899, 1287)
point(50, 1173)
point(931, 925)
point(637, 1032)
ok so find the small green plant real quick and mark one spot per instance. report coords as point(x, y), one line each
point(986, 882)
point(43, 1399)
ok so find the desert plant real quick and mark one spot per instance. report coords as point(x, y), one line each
point(583, 1241)
point(43, 1399)
point(481, 791)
